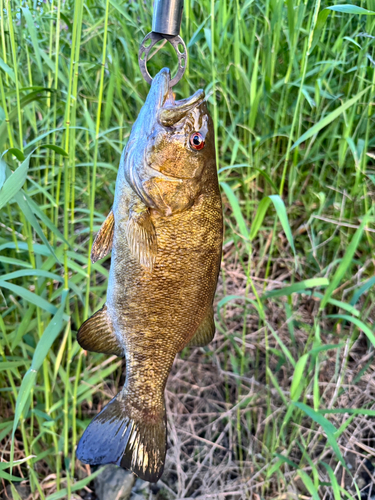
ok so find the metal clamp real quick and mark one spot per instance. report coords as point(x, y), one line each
point(166, 24)
point(144, 51)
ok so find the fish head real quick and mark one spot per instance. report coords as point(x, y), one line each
point(173, 149)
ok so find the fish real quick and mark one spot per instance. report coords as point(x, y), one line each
point(165, 232)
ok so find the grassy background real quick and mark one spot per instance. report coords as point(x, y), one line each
point(281, 404)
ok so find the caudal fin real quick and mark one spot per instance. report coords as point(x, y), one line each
point(114, 437)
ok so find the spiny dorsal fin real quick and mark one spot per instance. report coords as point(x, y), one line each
point(205, 331)
point(141, 235)
point(103, 241)
point(96, 334)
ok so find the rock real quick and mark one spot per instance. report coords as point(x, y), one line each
point(114, 483)
point(141, 490)
point(23, 491)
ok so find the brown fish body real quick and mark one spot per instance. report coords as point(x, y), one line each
point(166, 250)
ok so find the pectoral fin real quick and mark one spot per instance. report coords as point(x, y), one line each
point(141, 235)
point(103, 241)
point(96, 334)
point(205, 331)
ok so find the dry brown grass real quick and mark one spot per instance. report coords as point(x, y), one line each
point(207, 402)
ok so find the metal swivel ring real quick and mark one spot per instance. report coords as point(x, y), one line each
point(144, 51)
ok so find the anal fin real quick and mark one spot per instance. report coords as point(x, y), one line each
point(96, 334)
point(141, 235)
point(103, 240)
point(205, 331)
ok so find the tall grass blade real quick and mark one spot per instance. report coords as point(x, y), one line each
point(345, 262)
point(41, 351)
point(14, 182)
point(329, 118)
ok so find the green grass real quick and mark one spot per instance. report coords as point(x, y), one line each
point(290, 88)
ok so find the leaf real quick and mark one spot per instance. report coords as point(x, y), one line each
point(338, 303)
point(258, 219)
point(362, 289)
point(309, 484)
point(42, 136)
point(322, 18)
point(41, 351)
point(32, 96)
point(49, 335)
point(20, 198)
point(281, 213)
point(298, 287)
point(351, 411)
point(14, 182)
point(329, 118)
point(229, 298)
point(74, 487)
point(352, 41)
point(31, 297)
point(297, 385)
point(16, 152)
point(43, 274)
point(236, 209)
point(5, 428)
point(28, 213)
point(283, 346)
point(351, 9)
point(51, 226)
point(263, 173)
point(9, 477)
point(57, 149)
point(22, 246)
point(33, 36)
point(326, 425)
point(32, 272)
point(27, 384)
point(123, 11)
point(3, 176)
point(276, 385)
point(287, 460)
point(357, 322)
point(15, 262)
point(323, 15)
point(334, 483)
point(15, 494)
point(8, 365)
point(345, 262)
point(7, 70)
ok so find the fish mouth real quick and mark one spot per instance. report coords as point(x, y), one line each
point(161, 101)
point(172, 111)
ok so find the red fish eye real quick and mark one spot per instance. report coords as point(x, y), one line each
point(197, 141)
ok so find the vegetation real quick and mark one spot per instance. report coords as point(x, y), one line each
point(281, 404)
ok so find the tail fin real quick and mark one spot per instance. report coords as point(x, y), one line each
point(114, 437)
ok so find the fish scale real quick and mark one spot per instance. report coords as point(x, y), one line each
point(165, 234)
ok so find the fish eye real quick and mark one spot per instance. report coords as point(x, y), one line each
point(196, 141)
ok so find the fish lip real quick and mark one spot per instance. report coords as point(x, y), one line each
point(193, 101)
point(173, 111)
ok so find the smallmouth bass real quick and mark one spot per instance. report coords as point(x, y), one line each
point(165, 231)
